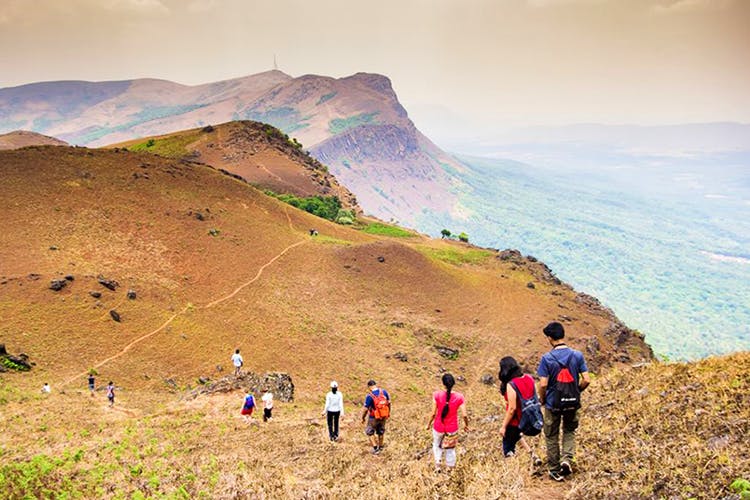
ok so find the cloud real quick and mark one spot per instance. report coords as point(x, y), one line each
point(139, 6)
point(683, 6)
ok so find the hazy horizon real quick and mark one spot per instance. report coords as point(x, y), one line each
point(458, 68)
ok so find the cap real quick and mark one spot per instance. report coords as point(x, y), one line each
point(334, 384)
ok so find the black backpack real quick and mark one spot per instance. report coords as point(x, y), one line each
point(568, 393)
point(531, 421)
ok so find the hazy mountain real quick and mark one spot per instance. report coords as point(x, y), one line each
point(355, 125)
point(23, 138)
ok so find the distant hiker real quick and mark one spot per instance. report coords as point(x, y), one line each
point(46, 388)
point(267, 399)
point(512, 381)
point(248, 406)
point(111, 393)
point(377, 409)
point(92, 384)
point(237, 362)
point(446, 405)
point(333, 410)
point(562, 376)
point(313, 232)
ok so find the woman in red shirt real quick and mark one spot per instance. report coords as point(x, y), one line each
point(510, 371)
point(446, 406)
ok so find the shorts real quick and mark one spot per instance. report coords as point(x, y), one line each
point(91, 387)
point(247, 411)
point(375, 426)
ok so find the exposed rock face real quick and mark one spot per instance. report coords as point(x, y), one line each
point(280, 384)
point(447, 352)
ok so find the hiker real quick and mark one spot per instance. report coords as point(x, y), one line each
point(111, 393)
point(237, 362)
point(46, 388)
point(248, 406)
point(313, 232)
point(333, 410)
point(92, 384)
point(562, 376)
point(446, 405)
point(512, 379)
point(267, 399)
point(377, 409)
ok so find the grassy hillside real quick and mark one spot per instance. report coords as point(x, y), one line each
point(218, 265)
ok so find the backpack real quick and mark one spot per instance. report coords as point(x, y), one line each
point(381, 406)
point(249, 402)
point(568, 393)
point(531, 421)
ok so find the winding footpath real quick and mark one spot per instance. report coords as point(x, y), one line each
point(175, 315)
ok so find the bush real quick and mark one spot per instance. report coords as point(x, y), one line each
point(326, 207)
point(345, 217)
point(463, 237)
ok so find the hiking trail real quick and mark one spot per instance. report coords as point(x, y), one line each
point(181, 311)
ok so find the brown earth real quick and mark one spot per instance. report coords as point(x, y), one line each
point(249, 276)
point(258, 153)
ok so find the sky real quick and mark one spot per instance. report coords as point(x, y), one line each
point(458, 66)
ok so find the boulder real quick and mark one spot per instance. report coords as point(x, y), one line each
point(96, 295)
point(401, 357)
point(447, 352)
point(487, 379)
point(107, 283)
point(70, 277)
point(131, 294)
point(280, 384)
point(57, 285)
point(115, 315)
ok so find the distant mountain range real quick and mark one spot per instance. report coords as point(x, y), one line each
point(355, 125)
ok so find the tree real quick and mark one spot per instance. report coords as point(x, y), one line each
point(445, 233)
point(463, 237)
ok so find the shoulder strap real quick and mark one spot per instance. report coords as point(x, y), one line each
point(563, 365)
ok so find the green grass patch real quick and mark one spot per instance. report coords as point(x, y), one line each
point(330, 240)
point(457, 257)
point(339, 125)
point(387, 230)
point(170, 147)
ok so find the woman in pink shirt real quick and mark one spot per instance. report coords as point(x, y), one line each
point(446, 406)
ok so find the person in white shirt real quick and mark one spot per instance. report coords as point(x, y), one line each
point(237, 362)
point(333, 410)
point(46, 389)
point(267, 404)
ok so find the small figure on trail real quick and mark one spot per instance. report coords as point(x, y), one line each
point(237, 362)
point(267, 399)
point(446, 405)
point(46, 388)
point(248, 406)
point(313, 232)
point(513, 381)
point(563, 374)
point(92, 384)
point(333, 410)
point(377, 409)
point(111, 393)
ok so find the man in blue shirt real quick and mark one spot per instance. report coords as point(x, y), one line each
point(375, 426)
point(563, 374)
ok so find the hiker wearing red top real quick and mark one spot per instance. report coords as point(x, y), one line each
point(377, 409)
point(446, 405)
point(563, 374)
point(511, 377)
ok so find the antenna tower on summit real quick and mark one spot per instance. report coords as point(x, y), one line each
point(275, 66)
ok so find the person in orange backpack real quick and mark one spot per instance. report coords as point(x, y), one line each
point(377, 410)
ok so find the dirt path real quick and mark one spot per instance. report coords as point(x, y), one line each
point(175, 315)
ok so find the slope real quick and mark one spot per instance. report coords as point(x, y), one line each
point(23, 138)
point(259, 153)
point(344, 305)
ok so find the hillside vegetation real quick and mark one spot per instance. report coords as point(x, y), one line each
point(216, 265)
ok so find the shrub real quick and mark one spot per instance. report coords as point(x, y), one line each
point(445, 233)
point(345, 217)
point(463, 237)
